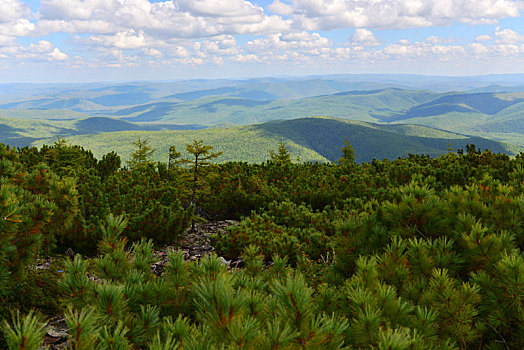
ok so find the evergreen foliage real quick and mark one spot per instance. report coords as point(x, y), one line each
point(142, 156)
point(417, 252)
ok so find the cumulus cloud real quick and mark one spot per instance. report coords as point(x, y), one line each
point(40, 51)
point(165, 19)
point(13, 10)
point(364, 37)
point(122, 33)
point(121, 40)
point(484, 37)
point(6, 40)
point(508, 36)
point(57, 55)
point(152, 52)
point(478, 49)
point(249, 58)
point(407, 49)
point(325, 15)
point(438, 40)
point(299, 42)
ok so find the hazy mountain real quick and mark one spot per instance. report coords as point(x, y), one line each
point(491, 105)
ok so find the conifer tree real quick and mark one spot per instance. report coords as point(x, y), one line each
point(347, 160)
point(109, 163)
point(281, 156)
point(142, 157)
point(201, 156)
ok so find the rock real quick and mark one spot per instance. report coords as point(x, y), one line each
point(42, 263)
point(193, 244)
point(70, 253)
point(56, 336)
point(57, 332)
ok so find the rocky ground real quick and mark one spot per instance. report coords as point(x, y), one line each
point(195, 245)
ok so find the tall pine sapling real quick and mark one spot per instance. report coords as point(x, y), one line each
point(201, 156)
point(347, 161)
point(281, 156)
point(142, 157)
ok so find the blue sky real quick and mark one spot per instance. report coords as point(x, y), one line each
point(100, 40)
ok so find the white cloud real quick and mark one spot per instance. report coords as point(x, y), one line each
point(6, 40)
point(121, 40)
point(152, 52)
point(14, 19)
point(42, 46)
point(220, 8)
point(325, 15)
point(249, 58)
point(505, 50)
point(13, 10)
point(179, 52)
point(57, 55)
point(508, 36)
point(302, 43)
point(438, 40)
point(162, 20)
point(364, 37)
point(281, 8)
point(483, 38)
point(479, 49)
point(40, 51)
point(407, 49)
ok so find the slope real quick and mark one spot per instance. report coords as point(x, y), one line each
point(23, 132)
point(310, 139)
point(358, 105)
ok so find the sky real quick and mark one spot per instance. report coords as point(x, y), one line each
point(123, 40)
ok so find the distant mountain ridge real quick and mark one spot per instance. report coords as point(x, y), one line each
point(491, 106)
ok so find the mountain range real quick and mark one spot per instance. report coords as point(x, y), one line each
point(368, 109)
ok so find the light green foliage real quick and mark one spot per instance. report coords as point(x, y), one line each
point(26, 332)
point(348, 155)
point(142, 157)
point(200, 157)
point(281, 155)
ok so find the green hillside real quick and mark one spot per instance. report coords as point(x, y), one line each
point(484, 103)
point(357, 105)
point(499, 116)
point(44, 114)
point(374, 140)
point(22, 131)
point(308, 139)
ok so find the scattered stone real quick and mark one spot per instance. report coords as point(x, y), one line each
point(56, 333)
point(194, 244)
point(224, 261)
point(56, 336)
point(236, 264)
point(42, 263)
point(70, 253)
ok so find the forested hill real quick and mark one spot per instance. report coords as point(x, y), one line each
point(308, 139)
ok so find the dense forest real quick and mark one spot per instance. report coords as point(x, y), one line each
point(418, 252)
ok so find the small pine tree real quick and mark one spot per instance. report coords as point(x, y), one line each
point(26, 333)
point(348, 155)
point(109, 164)
point(281, 156)
point(142, 156)
point(201, 158)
